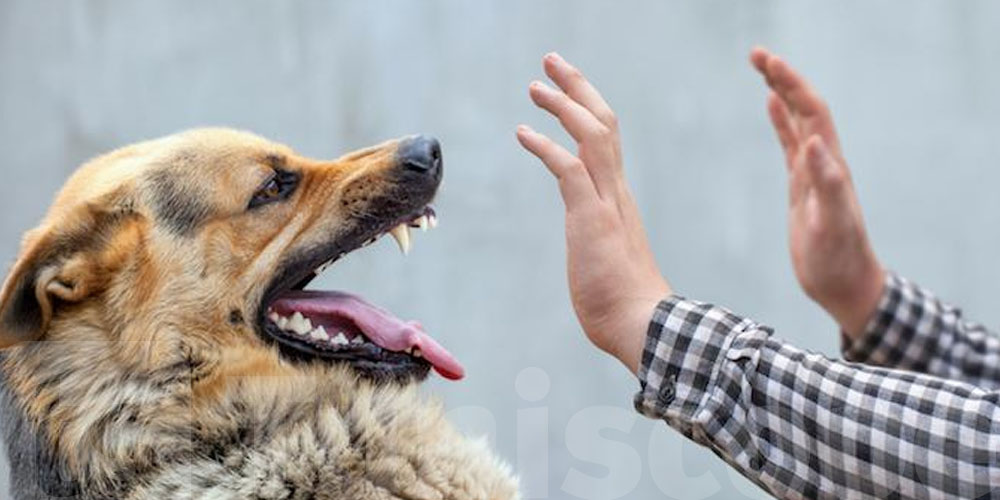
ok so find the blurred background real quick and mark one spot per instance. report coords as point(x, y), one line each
point(913, 86)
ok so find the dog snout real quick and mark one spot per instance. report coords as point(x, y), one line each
point(421, 155)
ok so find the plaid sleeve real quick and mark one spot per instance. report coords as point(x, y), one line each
point(803, 426)
point(913, 330)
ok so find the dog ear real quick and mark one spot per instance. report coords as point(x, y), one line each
point(36, 283)
point(56, 268)
point(25, 307)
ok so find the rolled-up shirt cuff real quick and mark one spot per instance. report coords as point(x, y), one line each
point(901, 325)
point(685, 345)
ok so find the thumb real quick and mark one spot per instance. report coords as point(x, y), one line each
point(826, 174)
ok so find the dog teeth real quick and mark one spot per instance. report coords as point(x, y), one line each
point(422, 223)
point(402, 235)
point(432, 221)
point(319, 334)
point(300, 324)
point(416, 352)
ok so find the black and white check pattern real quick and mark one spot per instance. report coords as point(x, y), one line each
point(915, 331)
point(802, 425)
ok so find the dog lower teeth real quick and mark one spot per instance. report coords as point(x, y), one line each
point(319, 334)
point(301, 326)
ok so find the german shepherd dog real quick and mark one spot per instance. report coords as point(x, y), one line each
point(159, 341)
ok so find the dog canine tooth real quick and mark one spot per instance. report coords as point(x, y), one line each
point(422, 223)
point(402, 235)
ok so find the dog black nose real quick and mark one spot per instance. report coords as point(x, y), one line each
point(421, 154)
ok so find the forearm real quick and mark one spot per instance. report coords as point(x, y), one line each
point(914, 330)
point(804, 426)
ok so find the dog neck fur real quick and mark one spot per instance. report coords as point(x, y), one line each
point(104, 429)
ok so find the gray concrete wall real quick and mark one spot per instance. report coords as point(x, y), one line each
point(913, 85)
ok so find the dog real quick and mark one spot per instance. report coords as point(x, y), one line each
point(159, 341)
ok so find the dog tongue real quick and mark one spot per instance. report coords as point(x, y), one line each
point(381, 327)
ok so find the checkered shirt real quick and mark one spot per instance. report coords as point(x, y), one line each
point(914, 413)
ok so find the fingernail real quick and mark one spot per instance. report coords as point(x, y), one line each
point(537, 85)
point(523, 129)
point(553, 56)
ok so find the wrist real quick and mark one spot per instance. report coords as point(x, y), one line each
point(854, 313)
point(629, 341)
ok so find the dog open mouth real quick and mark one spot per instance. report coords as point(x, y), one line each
point(336, 326)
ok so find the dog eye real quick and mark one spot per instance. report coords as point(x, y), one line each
point(278, 187)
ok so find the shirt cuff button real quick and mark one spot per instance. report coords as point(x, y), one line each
point(667, 391)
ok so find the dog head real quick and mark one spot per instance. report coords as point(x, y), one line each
point(202, 244)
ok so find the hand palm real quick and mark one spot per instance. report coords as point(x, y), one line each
point(614, 281)
point(831, 255)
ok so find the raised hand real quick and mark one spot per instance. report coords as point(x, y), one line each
point(613, 278)
point(831, 254)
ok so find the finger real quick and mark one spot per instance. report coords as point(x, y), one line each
point(828, 176)
point(785, 128)
point(805, 106)
point(575, 183)
point(797, 93)
point(575, 85)
point(581, 124)
point(759, 57)
point(598, 144)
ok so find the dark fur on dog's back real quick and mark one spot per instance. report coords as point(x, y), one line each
point(34, 470)
point(133, 365)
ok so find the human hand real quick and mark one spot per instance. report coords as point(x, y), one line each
point(831, 254)
point(614, 281)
